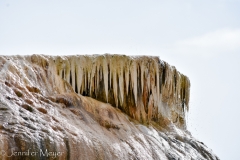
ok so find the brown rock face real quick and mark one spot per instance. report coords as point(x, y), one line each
point(94, 107)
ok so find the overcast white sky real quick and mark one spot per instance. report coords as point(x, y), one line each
point(200, 38)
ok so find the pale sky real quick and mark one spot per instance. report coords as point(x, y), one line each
point(200, 38)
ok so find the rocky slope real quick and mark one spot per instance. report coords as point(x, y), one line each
point(94, 107)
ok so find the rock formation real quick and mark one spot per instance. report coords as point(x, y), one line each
point(94, 107)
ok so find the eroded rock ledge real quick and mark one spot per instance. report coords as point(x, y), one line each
point(146, 88)
point(94, 107)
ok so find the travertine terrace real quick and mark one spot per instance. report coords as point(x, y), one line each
point(94, 107)
point(145, 88)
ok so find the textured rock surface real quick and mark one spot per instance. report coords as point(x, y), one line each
point(94, 107)
point(145, 88)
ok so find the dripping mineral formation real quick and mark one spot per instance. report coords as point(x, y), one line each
point(94, 107)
